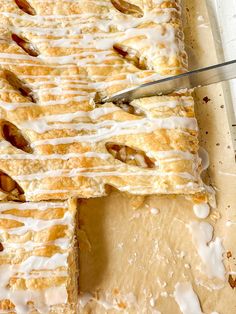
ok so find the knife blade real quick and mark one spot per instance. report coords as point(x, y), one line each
point(196, 78)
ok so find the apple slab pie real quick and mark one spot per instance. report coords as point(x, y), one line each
point(58, 59)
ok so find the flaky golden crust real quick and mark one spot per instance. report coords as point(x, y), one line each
point(38, 257)
point(91, 29)
point(55, 59)
point(67, 160)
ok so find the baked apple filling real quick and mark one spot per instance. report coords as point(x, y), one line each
point(14, 136)
point(25, 6)
point(19, 85)
point(131, 55)
point(127, 8)
point(26, 45)
point(8, 185)
point(131, 156)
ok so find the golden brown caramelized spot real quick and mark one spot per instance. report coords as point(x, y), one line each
point(20, 86)
point(14, 136)
point(130, 156)
point(131, 55)
point(229, 254)
point(6, 304)
point(169, 4)
point(115, 291)
point(25, 6)
point(9, 224)
point(1, 247)
point(8, 185)
point(122, 305)
point(232, 282)
point(27, 46)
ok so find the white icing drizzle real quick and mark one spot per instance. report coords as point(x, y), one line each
point(35, 205)
point(210, 251)
point(116, 129)
point(144, 125)
point(82, 173)
point(39, 224)
point(34, 266)
point(187, 299)
point(203, 154)
point(56, 296)
point(201, 210)
point(154, 211)
point(230, 223)
point(85, 298)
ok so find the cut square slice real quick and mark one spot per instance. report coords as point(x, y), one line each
point(38, 266)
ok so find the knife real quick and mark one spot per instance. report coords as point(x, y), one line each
point(196, 78)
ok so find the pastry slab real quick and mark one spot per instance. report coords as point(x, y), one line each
point(57, 60)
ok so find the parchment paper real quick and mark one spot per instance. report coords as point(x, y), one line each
point(136, 256)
